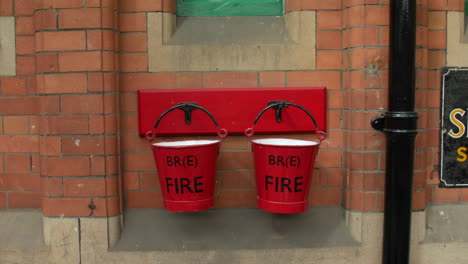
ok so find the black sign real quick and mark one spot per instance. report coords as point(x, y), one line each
point(454, 128)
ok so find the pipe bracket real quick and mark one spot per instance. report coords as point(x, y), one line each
point(396, 122)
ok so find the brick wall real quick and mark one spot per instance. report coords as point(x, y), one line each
point(68, 119)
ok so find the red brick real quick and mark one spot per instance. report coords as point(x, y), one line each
point(50, 4)
point(50, 146)
point(314, 78)
point(327, 158)
point(141, 5)
point(16, 124)
point(24, 7)
point(46, 62)
point(437, 20)
point(329, 60)
point(131, 181)
point(377, 15)
point(138, 81)
point(189, 80)
point(169, 6)
point(13, 86)
point(61, 41)
point(139, 161)
point(321, 5)
point(149, 181)
point(438, 40)
point(61, 83)
point(25, 65)
point(24, 200)
point(21, 181)
point(325, 197)
point(45, 19)
point(133, 62)
point(93, 3)
point(236, 179)
point(442, 195)
point(110, 18)
point(3, 202)
point(292, 5)
point(52, 187)
point(272, 79)
point(362, 201)
point(82, 104)
point(362, 58)
point(25, 45)
point(101, 39)
point(94, 39)
point(67, 125)
point(83, 146)
point(66, 207)
point(133, 22)
point(361, 37)
point(335, 99)
point(367, 161)
point(235, 160)
point(19, 144)
point(436, 59)
point(230, 79)
point(329, 20)
point(455, 5)
point(49, 104)
point(419, 200)
point(96, 125)
point(84, 187)
point(98, 166)
point(18, 105)
point(328, 40)
point(109, 61)
point(113, 186)
point(6, 9)
point(236, 199)
point(141, 200)
point(437, 4)
point(133, 42)
point(79, 61)
point(24, 26)
point(67, 166)
point(80, 18)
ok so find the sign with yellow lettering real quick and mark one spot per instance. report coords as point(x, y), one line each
point(454, 128)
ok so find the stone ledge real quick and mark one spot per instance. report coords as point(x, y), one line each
point(233, 229)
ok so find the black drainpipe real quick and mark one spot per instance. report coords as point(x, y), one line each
point(400, 126)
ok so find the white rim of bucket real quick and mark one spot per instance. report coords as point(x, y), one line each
point(285, 142)
point(185, 143)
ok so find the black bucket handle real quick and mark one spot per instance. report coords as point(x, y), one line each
point(279, 106)
point(187, 108)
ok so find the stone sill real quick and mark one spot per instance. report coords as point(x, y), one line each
point(21, 230)
point(233, 229)
point(173, 47)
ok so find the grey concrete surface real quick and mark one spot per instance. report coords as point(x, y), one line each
point(21, 230)
point(446, 223)
point(233, 229)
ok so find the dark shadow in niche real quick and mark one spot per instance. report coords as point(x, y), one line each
point(230, 30)
point(465, 36)
point(233, 229)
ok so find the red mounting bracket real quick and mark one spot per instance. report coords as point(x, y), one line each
point(234, 109)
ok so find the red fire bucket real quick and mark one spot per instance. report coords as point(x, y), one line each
point(283, 168)
point(187, 169)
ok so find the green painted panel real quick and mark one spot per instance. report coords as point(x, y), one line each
point(466, 7)
point(229, 7)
